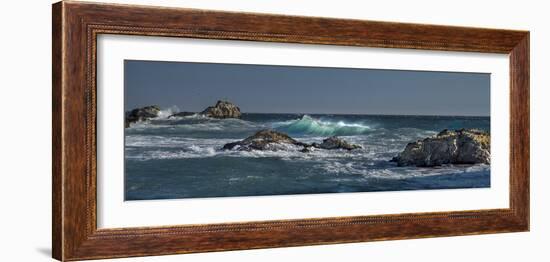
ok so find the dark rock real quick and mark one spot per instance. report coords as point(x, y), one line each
point(182, 114)
point(464, 146)
point(264, 140)
point(334, 142)
point(141, 114)
point(222, 109)
point(307, 148)
point(274, 141)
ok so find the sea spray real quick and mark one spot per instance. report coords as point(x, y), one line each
point(165, 113)
point(311, 126)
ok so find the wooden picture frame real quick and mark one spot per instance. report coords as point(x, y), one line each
point(76, 26)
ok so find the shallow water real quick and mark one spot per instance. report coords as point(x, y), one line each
point(182, 157)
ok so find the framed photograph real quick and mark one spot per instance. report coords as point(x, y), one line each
point(182, 130)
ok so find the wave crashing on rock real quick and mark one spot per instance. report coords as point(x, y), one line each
point(141, 114)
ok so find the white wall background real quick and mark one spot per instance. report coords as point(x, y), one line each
point(25, 136)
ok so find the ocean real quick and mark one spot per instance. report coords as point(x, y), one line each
point(173, 158)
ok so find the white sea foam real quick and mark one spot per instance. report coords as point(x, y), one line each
point(373, 148)
point(363, 163)
point(165, 113)
point(173, 142)
point(310, 125)
point(158, 147)
point(355, 168)
point(179, 154)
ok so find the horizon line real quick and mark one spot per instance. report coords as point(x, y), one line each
point(363, 114)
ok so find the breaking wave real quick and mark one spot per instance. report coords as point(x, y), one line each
point(311, 126)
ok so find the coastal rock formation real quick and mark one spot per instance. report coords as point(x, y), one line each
point(264, 140)
point(141, 114)
point(335, 142)
point(274, 141)
point(464, 146)
point(181, 114)
point(222, 109)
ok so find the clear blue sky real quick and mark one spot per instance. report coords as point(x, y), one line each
point(291, 89)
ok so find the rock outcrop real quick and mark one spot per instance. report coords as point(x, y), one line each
point(222, 109)
point(273, 141)
point(141, 114)
point(464, 146)
point(264, 140)
point(335, 142)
